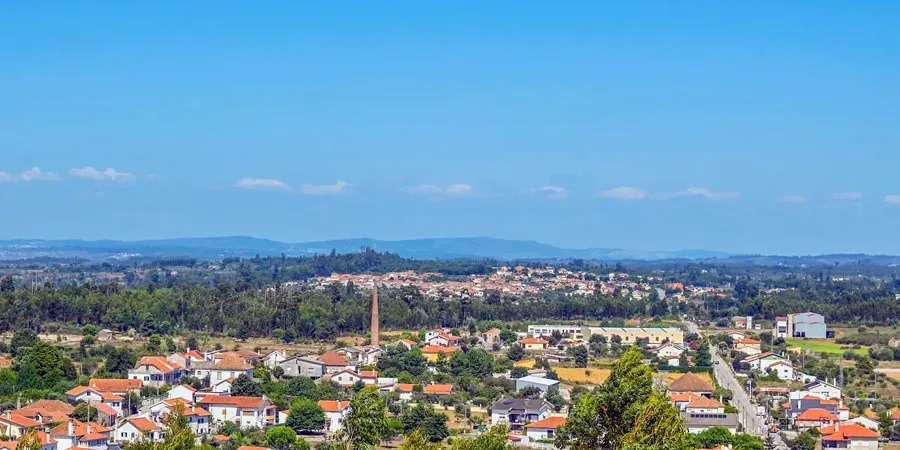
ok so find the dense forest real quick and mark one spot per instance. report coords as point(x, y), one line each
point(247, 311)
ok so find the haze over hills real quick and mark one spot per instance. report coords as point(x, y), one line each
point(442, 248)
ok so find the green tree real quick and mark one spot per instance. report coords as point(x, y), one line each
point(806, 440)
point(507, 335)
point(154, 343)
point(422, 417)
point(22, 338)
point(366, 422)
point(713, 436)
point(48, 363)
point(7, 284)
point(306, 416)
point(418, 441)
point(495, 439)
point(704, 358)
point(515, 352)
point(245, 386)
point(85, 413)
point(281, 438)
point(89, 330)
point(581, 355)
point(658, 425)
point(602, 418)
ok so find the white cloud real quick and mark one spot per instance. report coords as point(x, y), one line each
point(262, 183)
point(109, 174)
point(453, 189)
point(893, 199)
point(792, 199)
point(551, 192)
point(32, 174)
point(324, 189)
point(624, 193)
point(702, 192)
point(846, 196)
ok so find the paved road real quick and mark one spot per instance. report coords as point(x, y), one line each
point(753, 424)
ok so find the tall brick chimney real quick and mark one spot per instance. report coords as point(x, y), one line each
point(374, 327)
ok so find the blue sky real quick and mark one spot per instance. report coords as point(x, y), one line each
point(767, 127)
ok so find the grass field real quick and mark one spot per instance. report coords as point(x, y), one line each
point(526, 363)
point(672, 376)
point(824, 346)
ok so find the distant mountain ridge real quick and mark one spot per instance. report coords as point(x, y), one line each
point(431, 248)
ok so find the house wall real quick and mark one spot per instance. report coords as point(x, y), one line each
point(538, 434)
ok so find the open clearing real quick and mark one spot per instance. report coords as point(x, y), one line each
point(824, 346)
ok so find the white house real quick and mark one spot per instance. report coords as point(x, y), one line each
point(223, 387)
point(544, 430)
point(15, 425)
point(138, 429)
point(669, 350)
point(515, 413)
point(72, 433)
point(346, 378)
point(184, 392)
point(156, 371)
point(244, 411)
point(783, 369)
point(274, 358)
point(704, 405)
point(335, 413)
point(823, 390)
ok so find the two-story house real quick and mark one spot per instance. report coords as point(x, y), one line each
point(335, 413)
point(302, 366)
point(515, 413)
point(138, 429)
point(156, 371)
point(245, 411)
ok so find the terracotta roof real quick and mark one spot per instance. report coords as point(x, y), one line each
point(333, 405)
point(532, 340)
point(188, 387)
point(690, 382)
point(81, 428)
point(106, 409)
point(93, 436)
point(5, 362)
point(220, 437)
point(78, 390)
point(847, 431)
point(8, 445)
point(438, 349)
point(233, 362)
point(403, 387)
point(333, 358)
point(115, 385)
point(747, 341)
point(144, 424)
point(252, 447)
point(368, 374)
point(438, 389)
point(492, 331)
point(159, 362)
point(240, 402)
point(704, 402)
point(54, 409)
point(682, 397)
point(19, 420)
point(194, 354)
point(550, 422)
point(817, 414)
point(408, 342)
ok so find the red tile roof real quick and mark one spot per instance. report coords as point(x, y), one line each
point(434, 349)
point(333, 358)
point(237, 401)
point(233, 362)
point(159, 362)
point(550, 422)
point(403, 387)
point(19, 420)
point(438, 389)
point(817, 414)
point(115, 385)
point(704, 402)
point(144, 424)
point(106, 409)
point(333, 405)
point(532, 340)
point(690, 383)
point(847, 431)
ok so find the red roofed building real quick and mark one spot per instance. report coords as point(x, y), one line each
point(334, 362)
point(533, 344)
point(815, 418)
point(139, 429)
point(15, 425)
point(46, 411)
point(335, 413)
point(156, 371)
point(544, 429)
point(704, 405)
point(438, 389)
point(849, 435)
point(115, 385)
